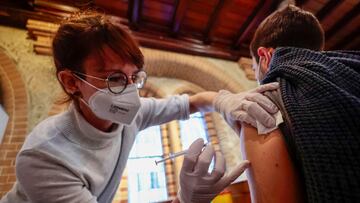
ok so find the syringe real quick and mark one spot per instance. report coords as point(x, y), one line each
point(174, 155)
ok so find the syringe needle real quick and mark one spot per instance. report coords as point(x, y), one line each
point(172, 156)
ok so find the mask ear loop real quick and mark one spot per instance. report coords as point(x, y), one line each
point(257, 71)
point(63, 85)
point(91, 85)
point(77, 93)
point(83, 101)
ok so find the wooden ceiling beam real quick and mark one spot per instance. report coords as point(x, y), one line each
point(19, 4)
point(178, 45)
point(343, 21)
point(354, 45)
point(180, 10)
point(18, 17)
point(134, 11)
point(330, 6)
point(213, 20)
point(260, 12)
point(345, 42)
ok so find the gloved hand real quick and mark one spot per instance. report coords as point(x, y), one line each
point(196, 184)
point(248, 107)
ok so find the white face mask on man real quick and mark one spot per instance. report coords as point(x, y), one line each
point(258, 73)
point(119, 108)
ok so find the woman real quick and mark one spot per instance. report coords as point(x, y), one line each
point(80, 155)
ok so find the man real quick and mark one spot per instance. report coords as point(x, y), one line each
point(314, 155)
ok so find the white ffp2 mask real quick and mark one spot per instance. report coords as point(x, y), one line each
point(121, 108)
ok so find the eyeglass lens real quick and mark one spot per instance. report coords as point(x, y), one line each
point(118, 81)
point(139, 79)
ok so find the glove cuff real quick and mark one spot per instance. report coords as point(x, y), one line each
point(218, 100)
point(179, 196)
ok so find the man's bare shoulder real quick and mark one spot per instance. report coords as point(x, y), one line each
point(272, 176)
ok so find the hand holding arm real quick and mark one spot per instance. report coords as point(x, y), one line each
point(248, 107)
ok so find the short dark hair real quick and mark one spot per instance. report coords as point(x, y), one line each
point(87, 32)
point(290, 26)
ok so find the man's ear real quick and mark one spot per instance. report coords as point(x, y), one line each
point(68, 81)
point(266, 55)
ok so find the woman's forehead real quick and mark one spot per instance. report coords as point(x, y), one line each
point(107, 60)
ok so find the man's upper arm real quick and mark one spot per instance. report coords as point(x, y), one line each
point(271, 176)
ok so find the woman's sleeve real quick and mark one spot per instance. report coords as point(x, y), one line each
point(159, 111)
point(45, 180)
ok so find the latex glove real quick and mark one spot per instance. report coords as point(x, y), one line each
point(196, 183)
point(249, 107)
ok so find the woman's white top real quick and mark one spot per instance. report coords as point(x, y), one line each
point(65, 159)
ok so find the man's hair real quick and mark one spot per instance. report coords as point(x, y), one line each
point(290, 26)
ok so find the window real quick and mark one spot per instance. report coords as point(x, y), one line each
point(4, 118)
point(146, 181)
point(192, 129)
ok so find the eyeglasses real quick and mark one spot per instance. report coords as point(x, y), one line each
point(118, 81)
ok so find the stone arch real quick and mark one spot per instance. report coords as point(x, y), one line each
point(188, 89)
point(15, 102)
point(190, 68)
point(152, 90)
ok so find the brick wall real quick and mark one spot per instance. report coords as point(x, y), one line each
point(15, 104)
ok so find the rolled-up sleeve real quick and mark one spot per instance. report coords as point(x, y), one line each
point(158, 111)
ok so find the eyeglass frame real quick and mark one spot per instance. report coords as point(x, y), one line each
point(107, 80)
